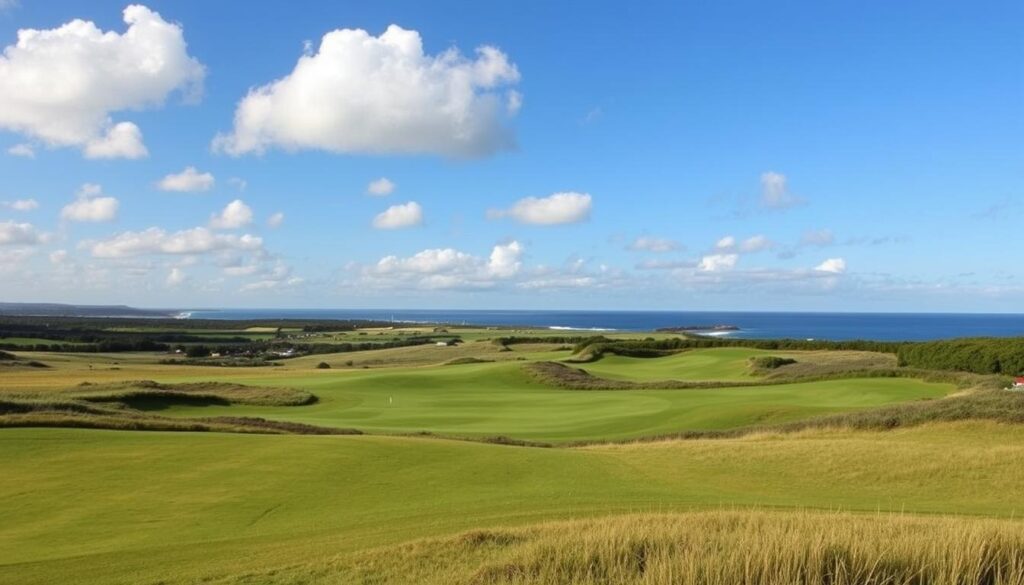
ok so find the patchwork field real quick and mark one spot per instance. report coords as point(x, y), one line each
point(397, 505)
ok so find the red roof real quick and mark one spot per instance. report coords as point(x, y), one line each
point(1019, 380)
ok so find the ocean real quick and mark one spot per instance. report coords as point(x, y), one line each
point(752, 325)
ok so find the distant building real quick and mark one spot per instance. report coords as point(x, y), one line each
point(1018, 382)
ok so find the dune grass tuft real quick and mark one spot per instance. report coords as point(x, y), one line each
point(701, 548)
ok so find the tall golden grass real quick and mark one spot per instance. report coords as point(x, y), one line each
point(701, 548)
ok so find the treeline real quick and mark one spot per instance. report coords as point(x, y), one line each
point(978, 355)
point(562, 339)
point(106, 323)
point(320, 348)
point(107, 346)
point(108, 335)
point(259, 349)
point(651, 346)
point(86, 336)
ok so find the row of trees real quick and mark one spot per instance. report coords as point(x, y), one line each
point(651, 346)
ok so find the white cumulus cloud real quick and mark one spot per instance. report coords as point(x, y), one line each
point(122, 140)
point(430, 261)
point(275, 220)
point(399, 216)
point(380, 95)
point(23, 150)
point(446, 268)
point(58, 256)
point(90, 205)
point(187, 181)
point(558, 208)
point(234, 215)
point(60, 86)
point(381, 187)
point(653, 244)
point(21, 204)
point(155, 240)
point(175, 277)
point(505, 260)
point(832, 265)
point(775, 191)
point(14, 234)
point(718, 262)
point(758, 243)
point(272, 284)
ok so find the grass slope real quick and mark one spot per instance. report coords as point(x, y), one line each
point(116, 507)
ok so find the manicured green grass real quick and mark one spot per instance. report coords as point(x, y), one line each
point(499, 399)
point(121, 507)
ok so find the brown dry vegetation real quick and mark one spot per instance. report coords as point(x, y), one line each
point(705, 548)
point(122, 406)
point(574, 378)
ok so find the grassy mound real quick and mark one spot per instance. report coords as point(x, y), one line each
point(701, 548)
point(138, 391)
point(9, 360)
point(466, 360)
point(569, 377)
point(123, 406)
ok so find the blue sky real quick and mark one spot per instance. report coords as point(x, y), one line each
point(739, 156)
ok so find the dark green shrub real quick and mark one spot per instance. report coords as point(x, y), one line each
point(771, 362)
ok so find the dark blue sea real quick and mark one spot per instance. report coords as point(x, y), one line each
point(833, 326)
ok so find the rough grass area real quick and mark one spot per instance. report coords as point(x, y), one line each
point(707, 548)
point(123, 406)
point(9, 361)
point(51, 417)
point(999, 406)
point(143, 391)
point(574, 378)
point(770, 362)
point(466, 360)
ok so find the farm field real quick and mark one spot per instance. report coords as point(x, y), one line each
point(466, 444)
